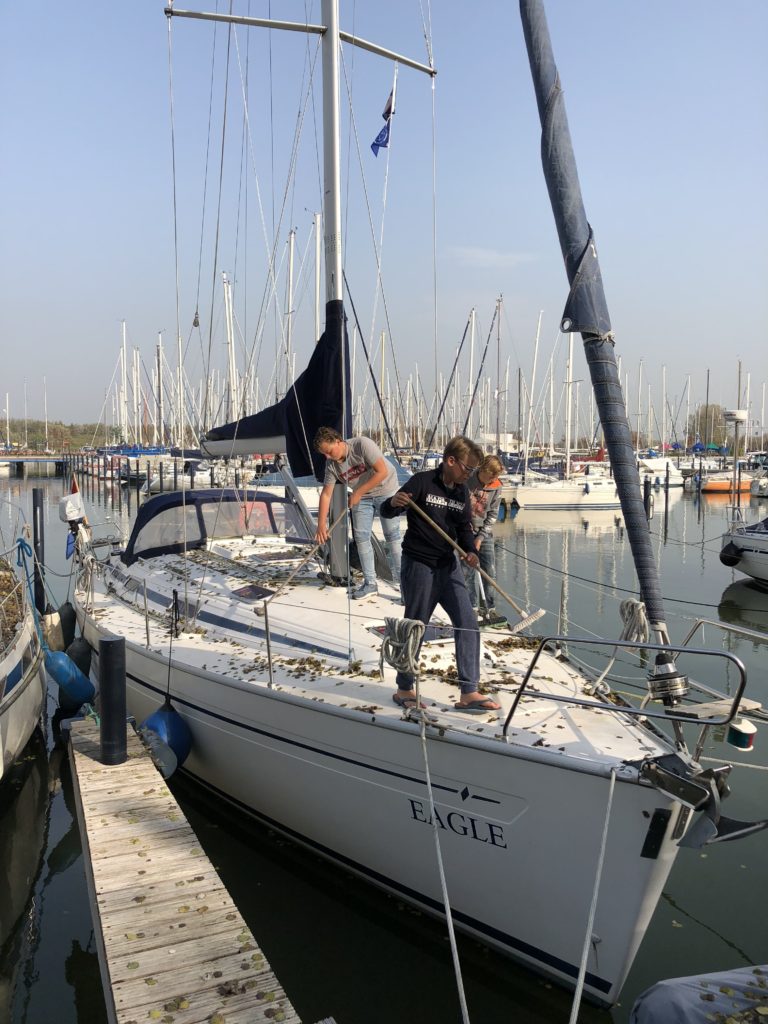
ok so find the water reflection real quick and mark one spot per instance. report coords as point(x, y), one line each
point(589, 521)
point(745, 604)
point(24, 798)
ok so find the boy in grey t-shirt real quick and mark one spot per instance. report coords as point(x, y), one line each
point(359, 463)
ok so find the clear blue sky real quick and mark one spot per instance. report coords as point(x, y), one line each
point(668, 106)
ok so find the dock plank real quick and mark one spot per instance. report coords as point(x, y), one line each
point(172, 944)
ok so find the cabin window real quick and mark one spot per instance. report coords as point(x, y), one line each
point(290, 523)
point(166, 530)
point(237, 519)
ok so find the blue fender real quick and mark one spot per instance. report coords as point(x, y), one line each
point(76, 687)
point(168, 724)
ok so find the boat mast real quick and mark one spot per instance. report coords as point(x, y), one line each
point(638, 439)
point(498, 375)
point(318, 257)
point(532, 393)
point(159, 427)
point(471, 376)
point(45, 410)
point(552, 405)
point(232, 397)
point(289, 376)
point(331, 150)
point(138, 437)
point(687, 411)
point(123, 385)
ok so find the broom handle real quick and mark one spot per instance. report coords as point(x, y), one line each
point(310, 554)
point(489, 579)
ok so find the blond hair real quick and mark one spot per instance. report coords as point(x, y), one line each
point(491, 464)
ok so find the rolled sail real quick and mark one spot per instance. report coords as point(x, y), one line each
point(319, 397)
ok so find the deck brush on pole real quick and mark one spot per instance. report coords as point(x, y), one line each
point(526, 618)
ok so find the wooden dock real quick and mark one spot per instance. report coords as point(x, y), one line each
point(172, 945)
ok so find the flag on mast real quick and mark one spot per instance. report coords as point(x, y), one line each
point(382, 139)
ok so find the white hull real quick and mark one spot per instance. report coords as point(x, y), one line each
point(587, 493)
point(352, 787)
point(22, 684)
point(660, 472)
point(751, 544)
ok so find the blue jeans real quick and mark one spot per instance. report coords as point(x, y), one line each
point(362, 524)
point(424, 588)
point(487, 556)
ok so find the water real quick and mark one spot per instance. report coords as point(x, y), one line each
point(340, 947)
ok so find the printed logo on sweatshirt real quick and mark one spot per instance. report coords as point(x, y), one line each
point(441, 502)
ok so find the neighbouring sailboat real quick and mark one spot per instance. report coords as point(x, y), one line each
point(745, 546)
point(591, 489)
point(570, 794)
point(22, 669)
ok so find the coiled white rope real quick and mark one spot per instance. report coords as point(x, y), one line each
point(636, 628)
point(635, 620)
point(400, 649)
point(593, 905)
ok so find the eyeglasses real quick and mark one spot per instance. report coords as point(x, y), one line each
point(464, 466)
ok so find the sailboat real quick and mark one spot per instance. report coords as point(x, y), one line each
point(745, 546)
point(591, 489)
point(22, 672)
point(557, 819)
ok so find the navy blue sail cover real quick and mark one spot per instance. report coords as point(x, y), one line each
point(320, 397)
point(586, 311)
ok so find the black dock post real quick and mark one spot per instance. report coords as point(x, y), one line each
point(38, 541)
point(647, 496)
point(112, 711)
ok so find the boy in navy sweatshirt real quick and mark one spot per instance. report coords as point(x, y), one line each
point(431, 574)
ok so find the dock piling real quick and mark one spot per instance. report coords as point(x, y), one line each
point(112, 709)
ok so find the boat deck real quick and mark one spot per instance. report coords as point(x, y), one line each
point(325, 648)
